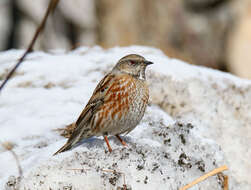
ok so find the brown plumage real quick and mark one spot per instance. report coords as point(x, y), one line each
point(117, 104)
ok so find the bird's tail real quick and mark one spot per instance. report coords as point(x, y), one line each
point(76, 136)
point(67, 146)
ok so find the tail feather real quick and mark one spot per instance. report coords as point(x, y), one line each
point(67, 146)
point(74, 139)
point(79, 133)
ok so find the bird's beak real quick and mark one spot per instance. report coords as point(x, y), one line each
point(148, 62)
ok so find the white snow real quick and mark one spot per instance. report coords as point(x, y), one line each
point(49, 91)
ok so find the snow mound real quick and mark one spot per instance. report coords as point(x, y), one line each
point(198, 120)
point(160, 154)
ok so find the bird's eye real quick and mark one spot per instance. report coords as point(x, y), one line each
point(132, 62)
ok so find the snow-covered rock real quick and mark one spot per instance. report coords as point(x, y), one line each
point(198, 120)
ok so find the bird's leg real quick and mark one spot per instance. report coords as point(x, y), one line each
point(108, 145)
point(121, 140)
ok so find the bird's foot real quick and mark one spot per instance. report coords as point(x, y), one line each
point(121, 140)
point(108, 145)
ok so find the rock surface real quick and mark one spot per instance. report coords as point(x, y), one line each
point(198, 120)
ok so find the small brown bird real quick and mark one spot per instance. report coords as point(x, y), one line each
point(117, 104)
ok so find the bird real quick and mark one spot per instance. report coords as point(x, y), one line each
point(117, 104)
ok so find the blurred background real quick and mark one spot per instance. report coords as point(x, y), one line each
point(213, 33)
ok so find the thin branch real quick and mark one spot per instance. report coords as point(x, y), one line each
point(225, 183)
point(81, 170)
point(9, 146)
point(213, 172)
point(52, 5)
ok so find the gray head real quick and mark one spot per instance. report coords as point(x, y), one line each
point(132, 64)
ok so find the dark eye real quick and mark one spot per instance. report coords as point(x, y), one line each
point(132, 62)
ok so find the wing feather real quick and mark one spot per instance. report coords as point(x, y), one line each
point(96, 98)
point(91, 108)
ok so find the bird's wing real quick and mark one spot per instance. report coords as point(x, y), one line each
point(97, 99)
point(94, 103)
point(91, 108)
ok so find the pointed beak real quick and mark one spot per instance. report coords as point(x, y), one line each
point(148, 62)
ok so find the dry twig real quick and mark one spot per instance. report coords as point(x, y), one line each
point(81, 170)
point(224, 179)
point(213, 172)
point(9, 146)
point(51, 7)
point(225, 183)
point(67, 130)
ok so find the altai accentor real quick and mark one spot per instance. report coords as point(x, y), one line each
point(117, 104)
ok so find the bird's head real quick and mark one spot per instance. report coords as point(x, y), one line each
point(132, 64)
